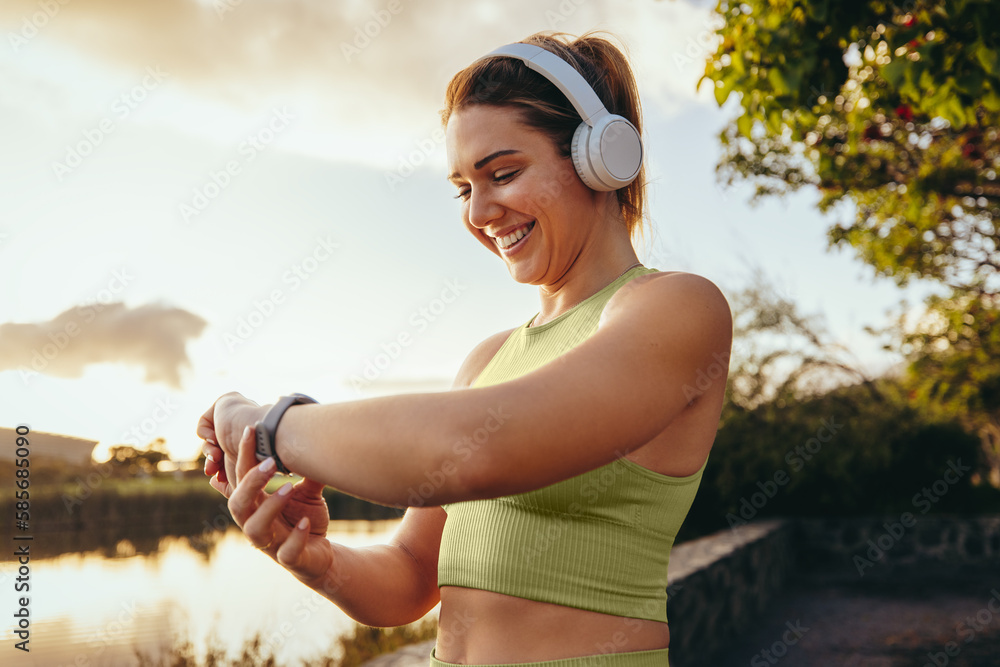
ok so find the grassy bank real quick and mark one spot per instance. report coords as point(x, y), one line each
point(94, 509)
point(351, 651)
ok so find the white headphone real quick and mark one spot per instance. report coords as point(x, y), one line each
point(606, 147)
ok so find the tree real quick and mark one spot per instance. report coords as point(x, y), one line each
point(891, 110)
point(135, 461)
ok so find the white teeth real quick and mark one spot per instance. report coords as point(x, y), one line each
point(507, 241)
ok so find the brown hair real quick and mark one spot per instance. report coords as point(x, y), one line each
point(509, 82)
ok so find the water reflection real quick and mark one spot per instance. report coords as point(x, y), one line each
point(95, 608)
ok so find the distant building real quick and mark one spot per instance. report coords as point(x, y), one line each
point(76, 451)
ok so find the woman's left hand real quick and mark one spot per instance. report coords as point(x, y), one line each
point(222, 426)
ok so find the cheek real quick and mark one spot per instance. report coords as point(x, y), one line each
point(480, 236)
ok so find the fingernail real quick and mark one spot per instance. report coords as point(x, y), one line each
point(267, 465)
point(285, 490)
point(246, 432)
point(210, 441)
point(302, 523)
point(210, 458)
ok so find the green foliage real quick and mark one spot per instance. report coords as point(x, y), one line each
point(907, 131)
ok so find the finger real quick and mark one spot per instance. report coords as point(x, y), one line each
point(250, 491)
point(260, 527)
point(290, 550)
point(247, 452)
point(213, 459)
point(221, 486)
point(206, 426)
point(212, 451)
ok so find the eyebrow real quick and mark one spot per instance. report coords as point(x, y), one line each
point(486, 160)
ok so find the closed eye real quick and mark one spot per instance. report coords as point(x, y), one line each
point(500, 179)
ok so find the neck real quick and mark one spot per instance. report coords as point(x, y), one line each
point(584, 279)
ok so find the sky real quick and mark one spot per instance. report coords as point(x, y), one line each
point(203, 196)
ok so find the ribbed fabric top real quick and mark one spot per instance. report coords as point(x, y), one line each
point(599, 541)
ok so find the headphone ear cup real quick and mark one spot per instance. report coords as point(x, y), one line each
point(580, 148)
point(615, 151)
point(608, 155)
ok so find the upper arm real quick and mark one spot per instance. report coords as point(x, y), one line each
point(419, 537)
point(613, 392)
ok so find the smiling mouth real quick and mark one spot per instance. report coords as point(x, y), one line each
point(513, 238)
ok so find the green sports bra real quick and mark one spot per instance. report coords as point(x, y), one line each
point(599, 541)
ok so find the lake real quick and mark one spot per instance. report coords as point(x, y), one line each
point(90, 609)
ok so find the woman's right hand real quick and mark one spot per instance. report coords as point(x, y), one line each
point(289, 525)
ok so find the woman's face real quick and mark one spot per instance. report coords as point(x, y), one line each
point(512, 181)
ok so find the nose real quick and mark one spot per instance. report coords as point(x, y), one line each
point(483, 208)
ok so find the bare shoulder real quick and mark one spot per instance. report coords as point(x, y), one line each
point(478, 358)
point(667, 294)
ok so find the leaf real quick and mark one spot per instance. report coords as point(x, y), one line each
point(744, 124)
point(774, 122)
point(987, 57)
point(894, 71)
point(777, 80)
point(991, 100)
point(728, 83)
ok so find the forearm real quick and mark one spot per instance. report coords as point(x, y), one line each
point(407, 450)
point(377, 585)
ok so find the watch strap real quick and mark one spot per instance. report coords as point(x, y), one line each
point(267, 428)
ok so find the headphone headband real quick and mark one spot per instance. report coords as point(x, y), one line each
point(572, 84)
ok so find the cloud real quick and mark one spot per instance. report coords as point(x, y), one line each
point(151, 336)
point(366, 73)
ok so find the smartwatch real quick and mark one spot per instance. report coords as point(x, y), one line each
point(267, 428)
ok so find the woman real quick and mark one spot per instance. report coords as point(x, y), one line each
point(544, 492)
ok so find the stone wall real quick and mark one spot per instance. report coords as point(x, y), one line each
point(882, 546)
point(720, 582)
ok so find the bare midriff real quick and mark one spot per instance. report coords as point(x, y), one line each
point(482, 627)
